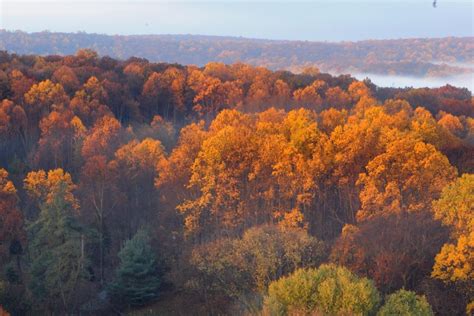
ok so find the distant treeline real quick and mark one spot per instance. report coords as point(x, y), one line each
point(416, 57)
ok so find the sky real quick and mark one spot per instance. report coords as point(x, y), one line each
point(318, 20)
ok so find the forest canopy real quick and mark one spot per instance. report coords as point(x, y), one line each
point(221, 189)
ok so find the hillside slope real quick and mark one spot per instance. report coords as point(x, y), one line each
point(413, 57)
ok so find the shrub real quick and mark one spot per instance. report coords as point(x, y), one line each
point(328, 290)
point(405, 303)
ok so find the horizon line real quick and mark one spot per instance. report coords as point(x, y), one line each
point(236, 37)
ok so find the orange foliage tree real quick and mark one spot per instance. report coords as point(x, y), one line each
point(12, 234)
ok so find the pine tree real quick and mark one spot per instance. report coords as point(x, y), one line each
point(57, 250)
point(138, 278)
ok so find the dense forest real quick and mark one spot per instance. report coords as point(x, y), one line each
point(131, 187)
point(414, 57)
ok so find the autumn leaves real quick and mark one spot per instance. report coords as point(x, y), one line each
point(252, 169)
point(266, 171)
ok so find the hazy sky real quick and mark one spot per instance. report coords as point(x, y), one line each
point(326, 20)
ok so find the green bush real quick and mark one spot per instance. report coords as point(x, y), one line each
point(328, 290)
point(405, 303)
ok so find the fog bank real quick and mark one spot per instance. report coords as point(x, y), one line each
point(392, 81)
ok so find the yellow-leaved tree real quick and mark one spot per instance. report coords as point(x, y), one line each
point(408, 176)
point(455, 261)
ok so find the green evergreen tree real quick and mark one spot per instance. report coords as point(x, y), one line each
point(405, 303)
point(138, 278)
point(57, 248)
